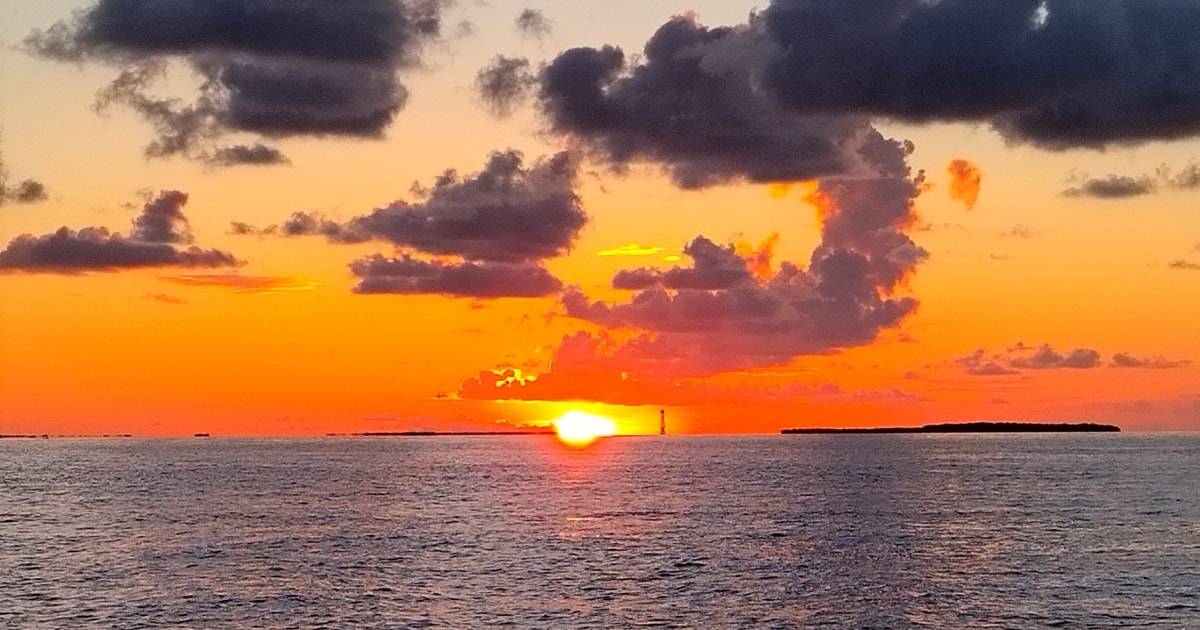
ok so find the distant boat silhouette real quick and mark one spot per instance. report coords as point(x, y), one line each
point(199, 435)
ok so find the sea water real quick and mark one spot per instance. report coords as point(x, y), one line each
point(840, 531)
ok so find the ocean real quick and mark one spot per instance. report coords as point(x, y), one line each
point(813, 531)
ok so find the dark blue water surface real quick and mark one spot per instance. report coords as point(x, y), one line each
point(850, 531)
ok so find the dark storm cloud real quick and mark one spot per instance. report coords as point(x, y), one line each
point(1054, 73)
point(467, 279)
point(532, 23)
point(782, 97)
point(693, 106)
point(305, 67)
point(504, 84)
point(152, 243)
point(1045, 357)
point(507, 213)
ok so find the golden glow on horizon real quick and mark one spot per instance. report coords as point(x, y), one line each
point(580, 428)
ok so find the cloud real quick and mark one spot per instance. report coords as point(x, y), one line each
point(26, 191)
point(1183, 265)
point(162, 220)
point(500, 224)
point(272, 68)
point(532, 23)
point(1045, 357)
point(1124, 186)
point(166, 298)
point(693, 105)
point(783, 96)
point(1126, 360)
point(1020, 231)
point(504, 84)
point(1188, 178)
point(1113, 187)
point(243, 284)
point(1053, 74)
point(1020, 355)
point(505, 213)
point(965, 181)
point(601, 368)
point(730, 309)
point(153, 242)
point(256, 154)
point(979, 364)
point(631, 249)
point(467, 279)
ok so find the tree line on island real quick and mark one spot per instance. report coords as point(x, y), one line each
point(975, 427)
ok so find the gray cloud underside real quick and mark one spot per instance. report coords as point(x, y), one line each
point(1112, 187)
point(68, 251)
point(256, 154)
point(153, 242)
point(407, 275)
point(1126, 360)
point(780, 97)
point(1054, 73)
point(694, 106)
point(1046, 357)
point(506, 213)
point(279, 69)
point(719, 308)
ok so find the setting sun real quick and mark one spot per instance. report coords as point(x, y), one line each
point(579, 428)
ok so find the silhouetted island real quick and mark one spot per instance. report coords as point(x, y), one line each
point(977, 427)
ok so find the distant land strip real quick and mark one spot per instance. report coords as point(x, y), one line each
point(977, 427)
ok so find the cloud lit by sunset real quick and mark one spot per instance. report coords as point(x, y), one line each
point(373, 219)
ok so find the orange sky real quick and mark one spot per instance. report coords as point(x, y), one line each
point(972, 276)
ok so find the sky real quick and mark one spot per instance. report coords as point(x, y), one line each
point(305, 217)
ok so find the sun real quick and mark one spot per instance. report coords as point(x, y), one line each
point(579, 428)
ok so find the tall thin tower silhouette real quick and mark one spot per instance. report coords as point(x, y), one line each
point(662, 421)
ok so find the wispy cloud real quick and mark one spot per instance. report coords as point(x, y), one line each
point(1125, 186)
point(631, 249)
point(244, 284)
